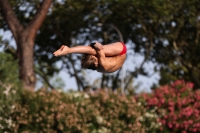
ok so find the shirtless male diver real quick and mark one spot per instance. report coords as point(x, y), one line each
point(103, 58)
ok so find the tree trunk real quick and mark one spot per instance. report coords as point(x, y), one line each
point(26, 61)
point(24, 37)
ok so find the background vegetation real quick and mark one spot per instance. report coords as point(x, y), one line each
point(163, 32)
point(166, 33)
point(170, 108)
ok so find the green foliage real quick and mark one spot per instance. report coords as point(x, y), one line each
point(8, 69)
point(64, 25)
point(165, 32)
point(170, 108)
point(55, 111)
point(9, 89)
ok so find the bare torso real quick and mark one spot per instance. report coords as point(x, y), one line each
point(116, 61)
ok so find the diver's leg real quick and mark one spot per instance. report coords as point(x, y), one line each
point(113, 49)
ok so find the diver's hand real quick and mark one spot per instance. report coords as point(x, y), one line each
point(98, 46)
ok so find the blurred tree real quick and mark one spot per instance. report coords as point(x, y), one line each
point(173, 31)
point(72, 23)
point(178, 42)
point(65, 25)
point(164, 32)
point(24, 33)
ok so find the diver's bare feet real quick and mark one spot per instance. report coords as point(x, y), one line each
point(63, 50)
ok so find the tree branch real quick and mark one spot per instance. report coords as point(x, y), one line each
point(75, 74)
point(39, 17)
point(78, 80)
point(10, 18)
point(118, 32)
point(40, 73)
point(114, 83)
point(138, 70)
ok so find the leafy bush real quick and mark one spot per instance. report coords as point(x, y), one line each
point(171, 108)
point(9, 69)
point(177, 105)
point(54, 111)
point(9, 90)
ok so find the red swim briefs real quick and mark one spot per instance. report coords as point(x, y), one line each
point(124, 49)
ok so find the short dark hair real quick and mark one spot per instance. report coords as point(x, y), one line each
point(87, 62)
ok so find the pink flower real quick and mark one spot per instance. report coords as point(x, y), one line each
point(177, 83)
point(171, 108)
point(163, 122)
point(165, 117)
point(177, 125)
point(190, 122)
point(177, 105)
point(170, 103)
point(194, 130)
point(189, 85)
point(162, 100)
point(169, 125)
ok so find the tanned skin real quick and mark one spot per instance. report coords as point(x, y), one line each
point(108, 58)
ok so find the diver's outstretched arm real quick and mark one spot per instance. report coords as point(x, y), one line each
point(109, 49)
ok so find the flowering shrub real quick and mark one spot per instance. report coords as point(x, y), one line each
point(7, 98)
point(54, 111)
point(177, 105)
point(174, 108)
point(9, 90)
point(150, 120)
point(149, 117)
